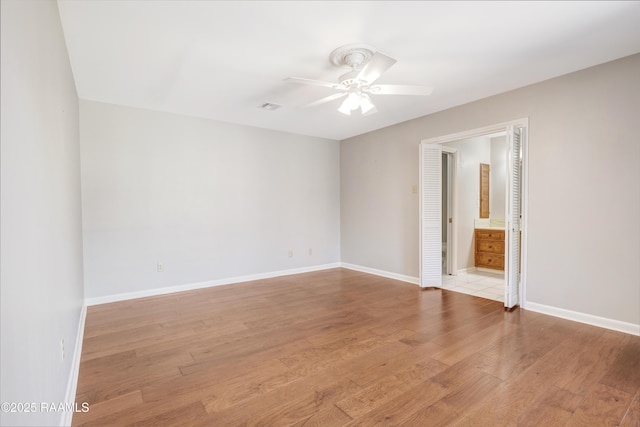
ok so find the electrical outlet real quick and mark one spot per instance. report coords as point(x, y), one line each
point(310, 251)
point(290, 253)
point(414, 188)
point(61, 348)
point(160, 267)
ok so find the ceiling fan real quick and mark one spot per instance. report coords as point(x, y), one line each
point(367, 65)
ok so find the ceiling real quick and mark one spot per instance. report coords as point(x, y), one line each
point(222, 59)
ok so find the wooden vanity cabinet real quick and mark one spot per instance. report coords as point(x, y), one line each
point(489, 245)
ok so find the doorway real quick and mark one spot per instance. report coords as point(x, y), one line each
point(440, 219)
point(486, 154)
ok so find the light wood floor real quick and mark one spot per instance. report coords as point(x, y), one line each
point(339, 347)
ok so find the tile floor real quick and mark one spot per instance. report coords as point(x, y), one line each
point(479, 283)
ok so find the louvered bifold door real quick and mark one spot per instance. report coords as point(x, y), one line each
point(513, 218)
point(431, 215)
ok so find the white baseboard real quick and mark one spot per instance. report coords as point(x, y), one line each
point(72, 383)
point(589, 319)
point(465, 270)
point(396, 276)
point(208, 284)
point(489, 270)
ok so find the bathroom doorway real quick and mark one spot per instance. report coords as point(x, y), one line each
point(469, 278)
point(475, 211)
point(443, 216)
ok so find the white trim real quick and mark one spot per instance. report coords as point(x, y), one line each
point(208, 284)
point(472, 133)
point(72, 384)
point(465, 270)
point(382, 273)
point(452, 200)
point(589, 319)
point(490, 271)
point(524, 211)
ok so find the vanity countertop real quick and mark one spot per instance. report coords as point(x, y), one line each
point(489, 223)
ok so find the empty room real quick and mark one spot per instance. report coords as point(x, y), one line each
point(319, 213)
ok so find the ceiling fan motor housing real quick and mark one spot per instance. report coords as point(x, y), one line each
point(352, 55)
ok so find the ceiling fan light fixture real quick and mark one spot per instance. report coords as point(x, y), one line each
point(366, 105)
point(353, 101)
point(357, 100)
point(350, 104)
point(344, 108)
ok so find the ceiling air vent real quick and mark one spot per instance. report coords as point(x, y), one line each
point(269, 106)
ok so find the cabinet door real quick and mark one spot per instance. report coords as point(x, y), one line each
point(490, 246)
point(483, 234)
point(488, 260)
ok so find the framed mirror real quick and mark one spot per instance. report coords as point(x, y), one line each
point(485, 170)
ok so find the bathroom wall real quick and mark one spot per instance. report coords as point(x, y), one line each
point(498, 177)
point(471, 152)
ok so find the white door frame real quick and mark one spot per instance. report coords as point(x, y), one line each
point(452, 208)
point(502, 127)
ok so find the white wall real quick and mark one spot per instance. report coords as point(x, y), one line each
point(583, 160)
point(208, 200)
point(378, 208)
point(498, 179)
point(41, 242)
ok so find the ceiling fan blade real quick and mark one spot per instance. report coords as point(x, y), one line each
point(399, 90)
point(304, 81)
point(378, 64)
point(325, 99)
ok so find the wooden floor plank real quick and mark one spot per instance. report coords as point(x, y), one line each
point(391, 365)
point(632, 416)
point(303, 409)
point(253, 408)
point(178, 417)
point(454, 405)
point(624, 372)
point(123, 403)
point(605, 406)
point(555, 409)
point(396, 411)
point(339, 347)
point(331, 416)
point(389, 387)
point(592, 365)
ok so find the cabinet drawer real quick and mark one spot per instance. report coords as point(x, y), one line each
point(489, 234)
point(491, 246)
point(490, 260)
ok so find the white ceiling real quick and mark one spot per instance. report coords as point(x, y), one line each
point(221, 59)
